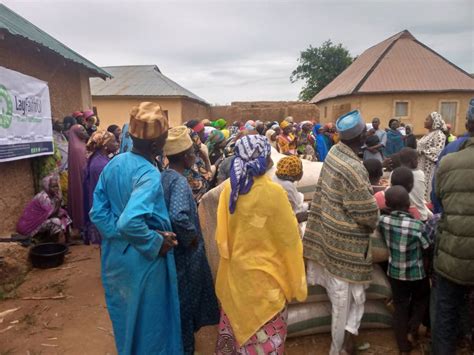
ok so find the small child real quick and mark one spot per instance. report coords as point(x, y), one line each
point(375, 170)
point(409, 159)
point(371, 151)
point(404, 177)
point(406, 240)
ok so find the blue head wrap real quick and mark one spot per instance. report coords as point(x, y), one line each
point(250, 160)
point(320, 145)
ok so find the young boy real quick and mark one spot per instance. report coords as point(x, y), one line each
point(409, 159)
point(403, 177)
point(375, 169)
point(406, 240)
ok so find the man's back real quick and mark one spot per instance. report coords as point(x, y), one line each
point(140, 286)
point(454, 257)
point(342, 216)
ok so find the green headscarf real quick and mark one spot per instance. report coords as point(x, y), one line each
point(219, 124)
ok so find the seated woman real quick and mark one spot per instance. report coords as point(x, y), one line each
point(43, 219)
point(261, 264)
point(198, 302)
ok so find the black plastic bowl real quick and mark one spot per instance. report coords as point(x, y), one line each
point(48, 255)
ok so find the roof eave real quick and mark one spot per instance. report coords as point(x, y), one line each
point(150, 96)
point(97, 71)
point(359, 93)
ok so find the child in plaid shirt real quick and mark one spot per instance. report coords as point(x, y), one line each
point(406, 240)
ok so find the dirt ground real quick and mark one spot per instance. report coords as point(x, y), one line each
point(79, 323)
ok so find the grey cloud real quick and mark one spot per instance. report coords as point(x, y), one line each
point(244, 50)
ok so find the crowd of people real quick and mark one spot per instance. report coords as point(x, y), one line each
point(135, 190)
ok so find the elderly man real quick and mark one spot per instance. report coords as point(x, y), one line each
point(454, 252)
point(336, 242)
point(138, 269)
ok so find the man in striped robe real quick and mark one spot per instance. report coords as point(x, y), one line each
point(336, 243)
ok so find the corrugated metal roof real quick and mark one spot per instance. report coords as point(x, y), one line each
point(398, 64)
point(18, 26)
point(139, 80)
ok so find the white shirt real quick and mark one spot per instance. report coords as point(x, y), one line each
point(417, 195)
point(296, 198)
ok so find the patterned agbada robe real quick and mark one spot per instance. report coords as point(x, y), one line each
point(341, 218)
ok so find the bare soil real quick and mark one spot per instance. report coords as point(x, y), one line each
point(79, 322)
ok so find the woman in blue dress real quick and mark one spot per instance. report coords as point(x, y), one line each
point(198, 301)
point(395, 140)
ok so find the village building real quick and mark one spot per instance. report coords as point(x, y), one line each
point(27, 49)
point(403, 78)
point(130, 85)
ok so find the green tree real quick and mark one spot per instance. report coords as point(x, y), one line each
point(319, 66)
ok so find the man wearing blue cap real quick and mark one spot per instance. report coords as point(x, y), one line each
point(336, 242)
point(454, 251)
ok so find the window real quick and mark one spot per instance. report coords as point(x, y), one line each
point(401, 109)
point(325, 111)
point(449, 111)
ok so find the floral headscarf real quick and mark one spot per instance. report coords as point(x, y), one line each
point(215, 138)
point(250, 125)
point(98, 140)
point(438, 122)
point(250, 160)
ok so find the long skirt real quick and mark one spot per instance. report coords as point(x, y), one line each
point(270, 339)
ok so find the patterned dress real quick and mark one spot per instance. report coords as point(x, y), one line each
point(270, 339)
point(429, 148)
point(198, 302)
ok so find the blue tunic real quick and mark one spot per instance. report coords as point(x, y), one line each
point(197, 297)
point(394, 143)
point(140, 287)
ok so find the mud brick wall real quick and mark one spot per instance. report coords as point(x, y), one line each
point(266, 111)
point(69, 91)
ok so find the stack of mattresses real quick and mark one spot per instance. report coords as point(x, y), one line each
point(314, 315)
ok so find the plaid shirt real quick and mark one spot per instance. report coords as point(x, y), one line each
point(404, 237)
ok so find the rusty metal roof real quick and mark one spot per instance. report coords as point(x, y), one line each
point(139, 80)
point(16, 25)
point(399, 64)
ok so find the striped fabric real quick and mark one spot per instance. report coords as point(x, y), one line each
point(342, 216)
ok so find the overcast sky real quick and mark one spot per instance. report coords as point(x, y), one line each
point(244, 50)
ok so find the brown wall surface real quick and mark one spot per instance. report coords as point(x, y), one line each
point(16, 190)
point(266, 111)
point(194, 110)
point(117, 110)
point(383, 106)
point(66, 80)
point(69, 91)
